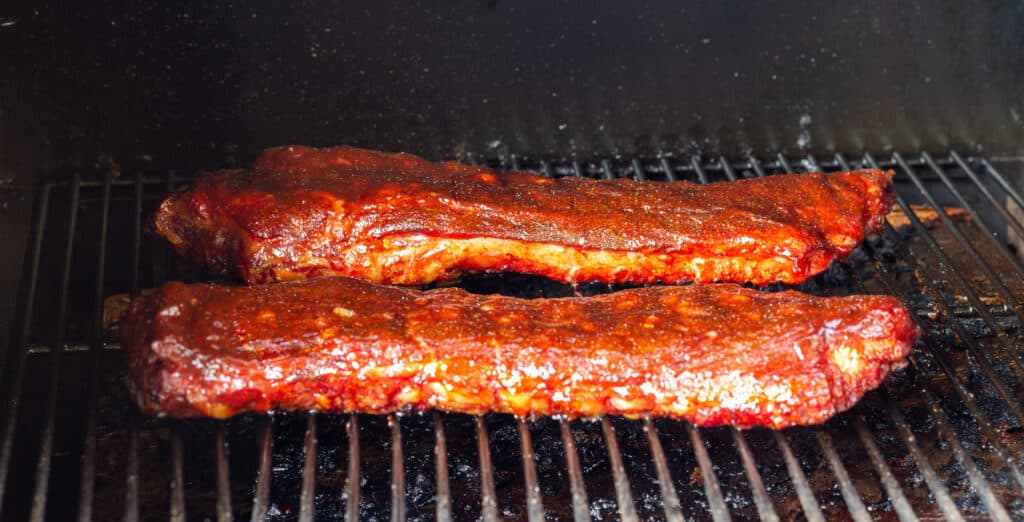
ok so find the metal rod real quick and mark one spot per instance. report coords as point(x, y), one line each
point(976, 352)
point(716, 502)
point(87, 481)
point(765, 510)
point(397, 471)
point(673, 510)
point(580, 506)
point(947, 368)
point(999, 206)
point(352, 487)
point(308, 492)
point(978, 481)
point(670, 172)
point(730, 174)
point(546, 170)
point(803, 488)
point(131, 503)
point(702, 177)
point(261, 499)
point(606, 169)
point(784, 163)
point(986, 231)
point(223, 481)
point(42, 478)
point(137, 236)
point(996, 281)
point(577, 169)
point(892, 487)
point(534, 507)
point(996, 175)
point(638, 170)
point(444, 495)
point(853, 502)
point(756, 165)
point(488, 500)
point(42, 209)
point(966, 287)
point(131, 493)
point(177, 513)
point(627, 511)
point(935, 484)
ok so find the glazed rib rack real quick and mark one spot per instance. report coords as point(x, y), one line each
point(943, 438)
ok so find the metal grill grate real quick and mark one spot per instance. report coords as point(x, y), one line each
point(944, 437)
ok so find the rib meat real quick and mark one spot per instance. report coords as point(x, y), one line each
point(712, 354)
point(300, 212)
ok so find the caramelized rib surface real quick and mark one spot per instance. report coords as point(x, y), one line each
point(712, 354)
point(300, 212)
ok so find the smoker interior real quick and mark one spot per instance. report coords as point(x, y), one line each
point(942, 438)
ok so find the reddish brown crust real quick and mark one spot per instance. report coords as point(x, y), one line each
point(712, 354)
point(399, 219)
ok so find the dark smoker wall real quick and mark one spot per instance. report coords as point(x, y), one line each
point(194, 85)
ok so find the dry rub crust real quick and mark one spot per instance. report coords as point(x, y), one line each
point(712, 354)
point(300, 212)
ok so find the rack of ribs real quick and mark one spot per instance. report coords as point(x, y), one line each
point(711, 354)
point(300, 212)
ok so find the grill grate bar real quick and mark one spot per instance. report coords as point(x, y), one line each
point(137, 236)
point(88, 476)
point(488, 499)
point(261, 499)
point(673, 510)
point(42, 479)
point(223, 482)
point(131, 503)
point(719, 511)
point(892, 487)
point(996, 175)
point(978, 481)
point(352, 487)
point(999, 207)
point(846, 488)
point(972, 296)
point(935, 484)
point(627, 511)
point(577, 169)
point(444, 495)
point(803, 488)
point(670, 172)
point(177, 475)
point(546, 170)
point(534, 507)
point(580, 509)
point(397, 471)
point(606, 169)
point(966, 396)
point(730, 174)
point(42, 210)
point(780, 158)
point(702, 177)
point(308, 471)
point(131, 500)
point(978, 354)
point(764, 505)
point(757, 166)
point(1000, 287)
point(638, 170)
